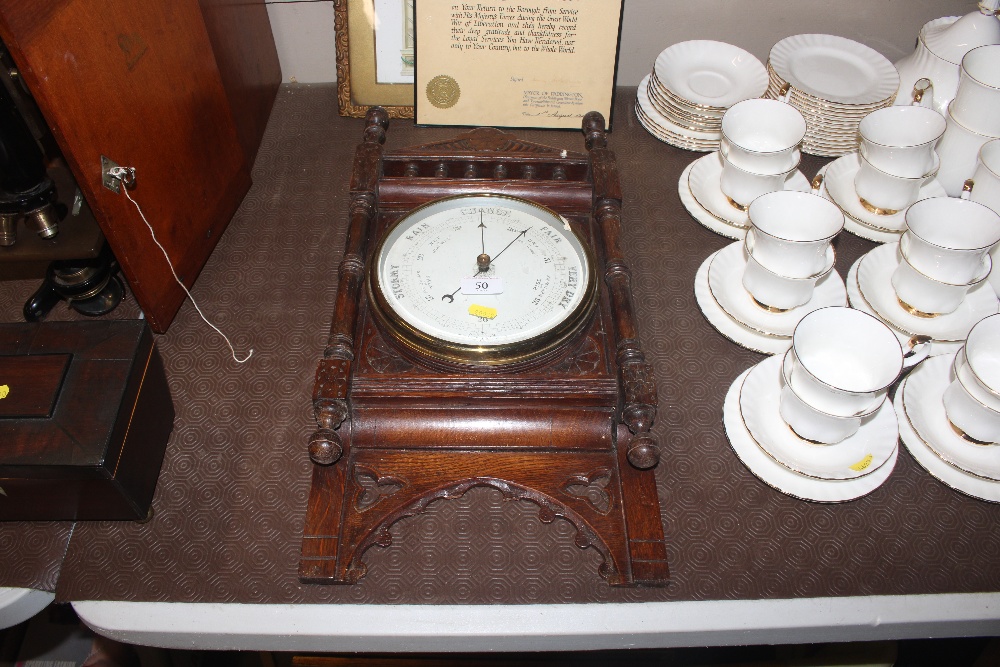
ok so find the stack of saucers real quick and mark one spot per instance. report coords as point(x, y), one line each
point(834, 82)
point(692, 84)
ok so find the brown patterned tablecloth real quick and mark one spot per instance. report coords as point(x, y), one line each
point(230, 502)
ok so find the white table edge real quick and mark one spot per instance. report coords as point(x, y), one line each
point(543, 627)
point(19, 604)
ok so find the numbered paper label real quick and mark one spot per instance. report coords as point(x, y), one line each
point(482, 285)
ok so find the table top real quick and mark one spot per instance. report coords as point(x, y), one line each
point(230, 502)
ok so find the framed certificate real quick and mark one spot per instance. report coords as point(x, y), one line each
point(515, 63)
point(375, 56)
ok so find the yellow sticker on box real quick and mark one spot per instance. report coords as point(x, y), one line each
point(482, 311)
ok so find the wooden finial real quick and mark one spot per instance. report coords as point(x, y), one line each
point(376, 124)
point(593, 130)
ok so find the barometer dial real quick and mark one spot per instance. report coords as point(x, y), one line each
point(482, 279)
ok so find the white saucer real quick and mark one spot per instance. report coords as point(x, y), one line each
point(851, 225)
point(709, 73)
point(861, 454)
point(673, 139)
point(725, 279)
point(726, 325)
point(874, 281)
point(666, 130)
point(977, 487)
point(924, 408)
point(839, 182)
point(781, 478)
point(857, 301)
point(835, 69)
point(862, 230)
point(701, 216)
point(705, 178)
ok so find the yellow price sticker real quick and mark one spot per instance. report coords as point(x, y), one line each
point(482, 311)
point(863, 463)
point(4, 391)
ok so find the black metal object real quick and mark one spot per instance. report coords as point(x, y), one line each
point(30, 164)
point(25, 187)
point(92, 287)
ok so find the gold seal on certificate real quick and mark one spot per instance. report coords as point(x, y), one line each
point(443, 91)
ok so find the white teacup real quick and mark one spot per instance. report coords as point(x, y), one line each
point(977, 101)
point(843, 360)
point(792, 231)
point(971, 416)
point(924, 296)
point(984, 186)
point(806, 421)
point(883, 193)
point(982, 355)
point(742, 186)
point(947, 238)
point(773, 291)
point(900, 140)
point(972, 401)
point(763, 136)
point(958, 150)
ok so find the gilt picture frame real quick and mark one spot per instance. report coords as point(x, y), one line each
point(356, 24)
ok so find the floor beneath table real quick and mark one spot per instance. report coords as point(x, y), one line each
point(54, 638)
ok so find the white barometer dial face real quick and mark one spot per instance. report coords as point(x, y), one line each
point(483, 271)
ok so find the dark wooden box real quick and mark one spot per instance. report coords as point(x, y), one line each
point(85, 415)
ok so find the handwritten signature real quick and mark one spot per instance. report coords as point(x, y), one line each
point(551, 114)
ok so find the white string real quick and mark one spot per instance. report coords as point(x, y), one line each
point(122, 174)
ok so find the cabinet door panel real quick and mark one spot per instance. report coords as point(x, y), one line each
point(137, 82)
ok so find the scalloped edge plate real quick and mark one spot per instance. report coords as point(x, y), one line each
point(834, 68)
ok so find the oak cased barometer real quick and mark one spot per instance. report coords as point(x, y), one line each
point(434, 287)
point(483, 335)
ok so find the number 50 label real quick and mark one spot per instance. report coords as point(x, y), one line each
point(476, 285)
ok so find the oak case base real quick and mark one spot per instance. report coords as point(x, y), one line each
point(354, 503)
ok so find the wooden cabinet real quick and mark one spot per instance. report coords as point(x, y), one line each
point(178, 89)
point(85, 417)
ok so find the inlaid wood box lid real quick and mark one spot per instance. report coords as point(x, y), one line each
point(31, 384)
point(85, 414)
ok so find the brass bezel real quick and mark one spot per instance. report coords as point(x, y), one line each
point(506, 354)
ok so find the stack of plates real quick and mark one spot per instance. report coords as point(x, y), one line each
point(692, 84)
point(834, 82)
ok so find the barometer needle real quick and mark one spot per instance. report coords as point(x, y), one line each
point(511, 243)
point(451, 297)
point(482, 233)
